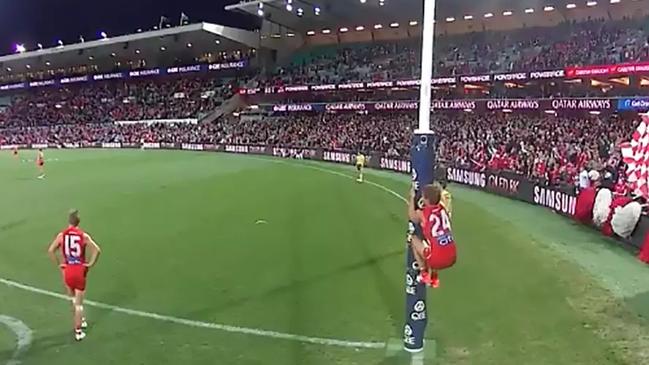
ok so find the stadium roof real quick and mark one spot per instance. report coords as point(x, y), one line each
point(157, 47)
point(318, 14)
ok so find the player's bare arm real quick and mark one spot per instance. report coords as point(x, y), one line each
point(413, 214)
point(51, 251)
point(96, 251)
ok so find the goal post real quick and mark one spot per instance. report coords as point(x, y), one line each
point(423, 154)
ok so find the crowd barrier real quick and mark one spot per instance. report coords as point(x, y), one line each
point(561, 200)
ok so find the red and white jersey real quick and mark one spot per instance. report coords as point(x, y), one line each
point(73, 246)
point(436, 226)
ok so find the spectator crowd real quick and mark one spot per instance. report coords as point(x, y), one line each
point(168, 98)
point(549, 148)
point(569, 44)
point(546, 147)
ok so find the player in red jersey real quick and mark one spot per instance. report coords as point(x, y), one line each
point(436, 251)
point(40, 163)
point(72, 243)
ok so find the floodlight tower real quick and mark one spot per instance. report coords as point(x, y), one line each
point(423, 156)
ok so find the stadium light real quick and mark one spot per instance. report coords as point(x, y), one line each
point(289, 5)
point(363, 1)
point(489, 15)
point(60, 43)
point(28, 66)
point(468, 110)
point(571, 6)
point(450, 19)
point(507, 13)
point(378, 26)
point(507, 110)
point(344, 30)
point(548, 8)
point(20, 48)
point(48, 63)
point(103, 35)
point(316, 10)
point(40, 46)
point(594, 112)
point(326, 31)
point(189, 45)
point(8, 69)
point(615, 1)
point(260, 12)
point(81, 39)
point(381, 2)
point(300, 12)
point(468, 17)
point(137, 51)
point(163, 48)
point(412, 23)
point(394, 25)
point(217, 41)
point(591, 3)
point(290, 35)
point(529, 11)
point(113, 54)
point(553, 112)
point(360, 28)
point(90, 58)
point(311, 32)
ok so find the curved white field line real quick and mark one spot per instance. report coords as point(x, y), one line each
point(23, 336)
point(217, 326)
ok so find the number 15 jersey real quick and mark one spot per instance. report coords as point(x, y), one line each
point(73, 246)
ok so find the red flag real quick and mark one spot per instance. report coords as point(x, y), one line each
point(636, 155)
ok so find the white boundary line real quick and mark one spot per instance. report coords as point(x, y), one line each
point(23, 334)
point(217, 326)
point(199, 324)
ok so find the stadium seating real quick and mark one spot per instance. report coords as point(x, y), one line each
point(545, 147)
point(548, 148)
point(175, 98)
point(570, 44)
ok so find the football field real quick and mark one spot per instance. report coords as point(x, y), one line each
point(229, 259)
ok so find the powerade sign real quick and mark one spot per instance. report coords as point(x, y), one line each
point(633, 104)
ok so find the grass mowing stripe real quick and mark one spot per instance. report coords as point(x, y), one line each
point(199, 324)
point(333, 172)
point(222, 327)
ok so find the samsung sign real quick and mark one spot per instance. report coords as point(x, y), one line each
point(561, 200)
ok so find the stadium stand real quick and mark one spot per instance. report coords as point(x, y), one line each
point(548, 148)
point(569, 44)
point(175, 98)
point(551, 148)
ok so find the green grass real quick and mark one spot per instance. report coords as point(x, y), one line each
point(179, 238)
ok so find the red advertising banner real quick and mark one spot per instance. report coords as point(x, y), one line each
point(607, 70)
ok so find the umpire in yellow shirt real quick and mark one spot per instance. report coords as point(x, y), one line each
point(447, 199)
point(360, 165)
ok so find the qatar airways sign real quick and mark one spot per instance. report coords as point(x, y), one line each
point(513, 104)
point(454, 104)
point(581, 104)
